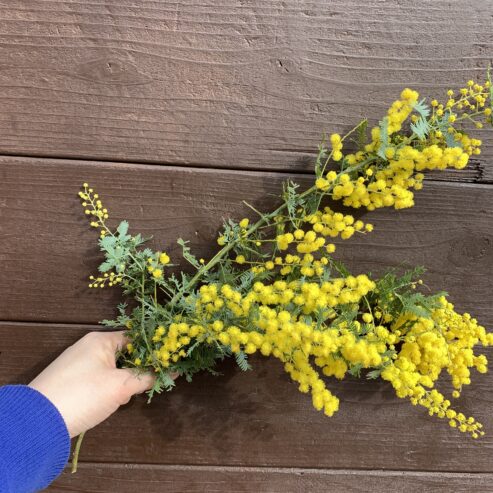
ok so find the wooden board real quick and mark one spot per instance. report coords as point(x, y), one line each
point(178, 111)
point(47, 249)
point(99, 478)
point(236, 84)
point(260, 419)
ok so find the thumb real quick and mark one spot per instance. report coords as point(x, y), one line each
point(135, 383)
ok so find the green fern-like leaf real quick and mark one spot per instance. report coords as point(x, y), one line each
point(106, 266)
point(242, 361)
point(321, 156)
point(122, 229)
point(292, 199)
point(355, 370)
point(421, 128)
point(384, 137)
point(374, 374)
point(187, 254)
point(422, 108)
point(246, 280)
point(443, 125)
point(362, 136)
point(164, 381)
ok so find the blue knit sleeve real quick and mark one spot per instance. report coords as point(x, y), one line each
point(34, 441)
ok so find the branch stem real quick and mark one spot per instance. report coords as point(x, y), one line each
point(261, 222)
point(75, 455)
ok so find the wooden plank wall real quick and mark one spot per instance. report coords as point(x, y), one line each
point(177, 110)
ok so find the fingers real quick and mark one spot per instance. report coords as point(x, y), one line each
point(103, 346)
point(113, 341)
point(117, 339)
point(135, 383)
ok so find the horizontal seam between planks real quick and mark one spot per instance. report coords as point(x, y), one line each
point(205, 167)
point(54, 325)
point(286, 470)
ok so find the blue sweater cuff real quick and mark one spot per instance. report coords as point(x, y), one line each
point(34, 440)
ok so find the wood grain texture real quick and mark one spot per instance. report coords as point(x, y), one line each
point(48, 250)
point(249, 87)
point(100, 478)
point(235, 84)
point(259, 418)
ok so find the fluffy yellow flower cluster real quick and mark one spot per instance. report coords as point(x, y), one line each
point(470, 100)
point(399, 111)
point(290, 338)
point(336, 141)
point(94, 207)
point(303, 344)
point(110, 279)
point(426, 351)
point(389, 184)
point(274, 288)
point(325, 224)
point(156, 264)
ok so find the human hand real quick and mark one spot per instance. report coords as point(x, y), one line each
point(84, 383)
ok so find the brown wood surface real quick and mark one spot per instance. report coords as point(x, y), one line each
point(48, 250)
point(236, 84)
point(177, 111)
point(260, 419)
point(100, 478)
